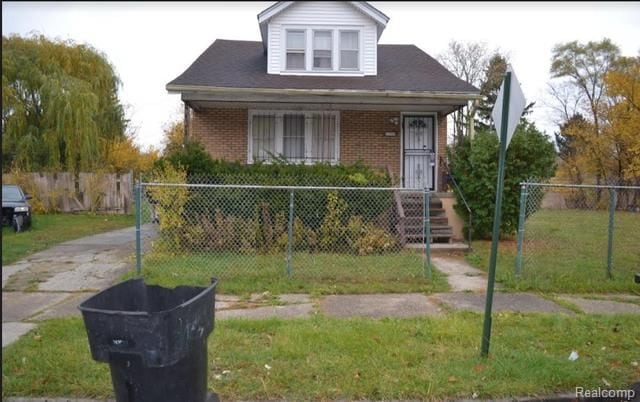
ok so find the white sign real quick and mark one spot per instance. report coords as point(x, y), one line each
point(516, 106)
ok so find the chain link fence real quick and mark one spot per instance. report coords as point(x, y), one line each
point(578, 233)
point(259, 233)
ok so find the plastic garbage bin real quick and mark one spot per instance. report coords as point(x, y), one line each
point(154, 339)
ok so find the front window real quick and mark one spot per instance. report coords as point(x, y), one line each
point(322, 48)
point(324, 129)
point(295, 136)
point(263, 137)
point(296, 45)
point(349, 50)
point(293, 130)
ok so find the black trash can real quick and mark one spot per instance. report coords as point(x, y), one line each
point(154, 339)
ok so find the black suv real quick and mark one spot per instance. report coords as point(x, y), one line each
point(16, 211)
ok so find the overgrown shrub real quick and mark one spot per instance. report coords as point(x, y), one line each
point(474, 165)
point(170, 205)
point(332, 230)
point(355, 235)
point(309, 204)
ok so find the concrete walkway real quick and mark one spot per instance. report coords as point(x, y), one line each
point(52, 283)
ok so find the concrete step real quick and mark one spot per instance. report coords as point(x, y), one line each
point(434, 228)
point(417, 220)
point(418, 210)
point(416, 202)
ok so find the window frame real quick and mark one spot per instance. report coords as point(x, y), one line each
point(313, 49)
point(279, 131)
point(358, 50)
point(288, 50)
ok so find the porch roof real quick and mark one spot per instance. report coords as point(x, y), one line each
point(240, 67)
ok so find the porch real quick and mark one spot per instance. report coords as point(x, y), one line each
point(404, 134)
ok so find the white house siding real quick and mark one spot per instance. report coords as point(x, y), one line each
point(330, 14)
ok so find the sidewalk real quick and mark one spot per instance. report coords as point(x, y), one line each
point(52, 283)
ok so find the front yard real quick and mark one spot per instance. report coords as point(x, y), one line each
point(323, 358)
point(51, 229)
point(316, 273)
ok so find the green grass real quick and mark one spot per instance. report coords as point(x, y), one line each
point(566, 251)
point(322, 358)
point(48, 230)
point(320, 273)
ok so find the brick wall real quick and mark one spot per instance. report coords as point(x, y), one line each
point(362, 137)
point(222, 132)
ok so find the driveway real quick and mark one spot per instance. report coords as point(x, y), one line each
point(52, 283)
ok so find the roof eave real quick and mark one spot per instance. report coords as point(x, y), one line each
point(459, 95)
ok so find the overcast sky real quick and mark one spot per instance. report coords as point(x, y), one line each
point(149, 44)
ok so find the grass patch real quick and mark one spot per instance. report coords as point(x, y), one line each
point(315, 273)
point(49, 230)
point(323, 358)
point(566, 251)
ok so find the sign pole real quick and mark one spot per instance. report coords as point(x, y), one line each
point(497, 217)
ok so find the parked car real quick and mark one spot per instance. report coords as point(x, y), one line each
point(16, 210)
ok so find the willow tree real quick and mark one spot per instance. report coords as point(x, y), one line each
point(60, 107)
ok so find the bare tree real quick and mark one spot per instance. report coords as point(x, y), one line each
point(469, 62)
point(564, 103)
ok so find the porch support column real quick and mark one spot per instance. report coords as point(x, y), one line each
point(187, 122)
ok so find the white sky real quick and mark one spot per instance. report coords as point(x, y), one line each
point(150, 44)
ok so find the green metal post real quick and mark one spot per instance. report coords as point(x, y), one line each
point(138, 195)
point(290, 239)
point(426, 233)
point(612, 210)
point(486, 332)
point(523, 212)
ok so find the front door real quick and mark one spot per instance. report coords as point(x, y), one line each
point(419, 151)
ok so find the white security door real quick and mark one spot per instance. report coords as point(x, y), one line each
point(419, 151)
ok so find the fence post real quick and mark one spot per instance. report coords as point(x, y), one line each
point(523, 212)
point(426, 232)
point(138, 195)
point(612, 210)
point(290, 237)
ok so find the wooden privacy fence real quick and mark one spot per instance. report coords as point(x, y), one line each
point(73, 192)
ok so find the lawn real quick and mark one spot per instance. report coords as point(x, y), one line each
point(315, 273)
point(566, 251)
point(323, 358)
point(49, 230)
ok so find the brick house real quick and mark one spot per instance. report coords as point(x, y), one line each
point(319, 87)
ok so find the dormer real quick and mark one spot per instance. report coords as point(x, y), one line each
point(322, 38)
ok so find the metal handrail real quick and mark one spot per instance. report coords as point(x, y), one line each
point(453, 180)
point(445, 165)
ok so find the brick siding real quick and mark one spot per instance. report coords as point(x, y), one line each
point(362, 137)
point(223, 133)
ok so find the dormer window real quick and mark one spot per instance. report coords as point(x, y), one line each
point(349, 50)
point(296, 45)
point(322, 49)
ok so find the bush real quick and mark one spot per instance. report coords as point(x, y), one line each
point(474, 165)
point(309, 204)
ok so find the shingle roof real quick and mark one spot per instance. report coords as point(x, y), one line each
point(243, 64)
